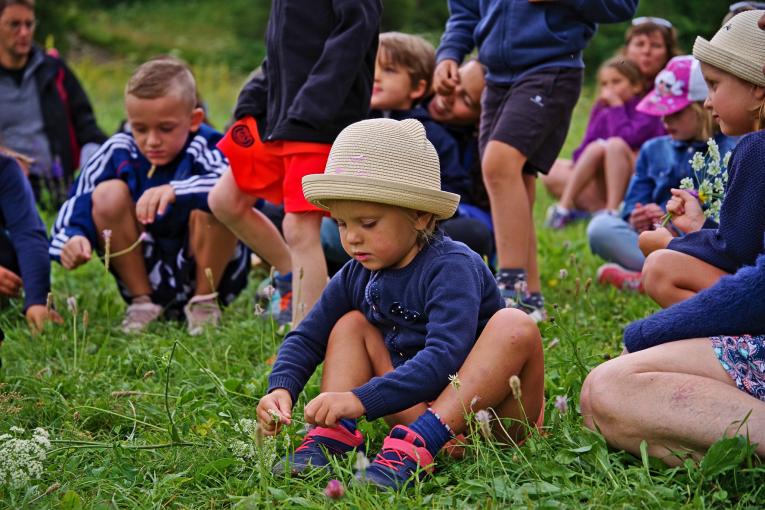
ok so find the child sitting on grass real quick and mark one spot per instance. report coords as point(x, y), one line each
point(679, 267)
point(662, 163)
point(151, 185)
point(411, 311)
point(615, 130)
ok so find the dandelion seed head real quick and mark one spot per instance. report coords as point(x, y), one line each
point(515, 387)
point(362, 462)
point(71, 304)
point(562, 274)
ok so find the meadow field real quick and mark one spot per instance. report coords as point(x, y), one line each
point(161, 420)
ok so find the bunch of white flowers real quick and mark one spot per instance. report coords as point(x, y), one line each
point(21, 460)
point(255, 445)
point(710, 175)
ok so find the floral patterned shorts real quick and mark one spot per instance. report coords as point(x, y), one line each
point(743, 357)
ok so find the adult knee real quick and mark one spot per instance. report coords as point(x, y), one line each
point(110, 199)
point(600, 399)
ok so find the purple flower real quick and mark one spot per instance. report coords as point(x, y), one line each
point(334, 489)
point(561, 404)
point(107, 234)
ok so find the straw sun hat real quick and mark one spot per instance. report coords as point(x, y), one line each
point(737, 48)
point(383, 161)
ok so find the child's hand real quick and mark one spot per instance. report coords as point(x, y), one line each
point(274, 410)
point(643, 217)
point(10, 283)
point(610, 98)
point(154, 202)
point(686, 211)
point(446, 77)
point(38, 315)
point(652, 240)
point(326, 409)
point(75, 252)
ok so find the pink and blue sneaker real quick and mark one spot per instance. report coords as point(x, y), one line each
point(317, 446)
point(402, 459)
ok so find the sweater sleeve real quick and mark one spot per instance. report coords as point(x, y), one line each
point(26, 232)
point(604, 11)
point(633, 127)
point(356, 29)
point(735, 305)
point(192, 187)
point(457, 39)
point(304, 348)
point(452, 308)
point(76, 217)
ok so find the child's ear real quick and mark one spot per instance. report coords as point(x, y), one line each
point(422, 219)
point(197, 117)
point(418, 90)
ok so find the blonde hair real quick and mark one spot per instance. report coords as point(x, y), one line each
point(626, 68)
point(708, 128)
point(161, 77)
point(411, 52)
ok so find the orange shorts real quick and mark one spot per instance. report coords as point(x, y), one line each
point(272, 170)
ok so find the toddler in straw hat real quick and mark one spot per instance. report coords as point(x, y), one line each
point(412, 311)
point(732, 63)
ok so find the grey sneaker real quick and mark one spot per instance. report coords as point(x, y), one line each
point(138, 316)
point(202, 311)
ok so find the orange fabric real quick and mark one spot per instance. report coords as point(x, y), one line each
point(272, 170)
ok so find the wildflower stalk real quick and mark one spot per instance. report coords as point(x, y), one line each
point(173, 429)
point(108, 256)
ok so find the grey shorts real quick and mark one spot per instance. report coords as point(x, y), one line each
point(533, 114)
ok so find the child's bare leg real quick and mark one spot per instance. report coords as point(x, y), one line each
point(234, 209)
point(671, 276)
point(114, 209)
point(309, 268)
point(355, 353)
point(678, 399)
point(509, 345)
point(532, 271)
point(212, 246)
point(585, 171)
point(618, 167)
point(590, 198)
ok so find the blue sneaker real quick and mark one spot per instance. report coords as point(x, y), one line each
point(517, 296)
point(403, 458)
point(316, 446)
point(276, 293)
point(559, 217)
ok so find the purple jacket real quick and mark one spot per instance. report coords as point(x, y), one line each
point(624, 121)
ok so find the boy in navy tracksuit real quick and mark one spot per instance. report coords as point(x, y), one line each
point(149, 188)
point(532, 50)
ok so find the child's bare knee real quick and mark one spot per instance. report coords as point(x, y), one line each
point(656, 270)
point(617, 144)
point(224, 205)
point(516, 328)
point(349, 325)
point(110, 198)
point(302, 229)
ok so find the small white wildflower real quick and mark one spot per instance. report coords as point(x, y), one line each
point(713, 169)
point(362, 462)
point(697, 163)
point(705, 191)
point(718, 186)
point(17, 430)
point(553, 343)
point(21, 460)
point(686, 183)
point(714, 210)
point(562, 274)
point(483, 418)
point(714, 150)
point(256, 446)
point(71, 304)
point(454, 380)
point(726, 159)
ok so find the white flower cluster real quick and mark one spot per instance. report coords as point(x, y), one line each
point(256, 446)
point(709, 179)
point(21, 460)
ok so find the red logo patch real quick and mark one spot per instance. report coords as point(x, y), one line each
point(242, 136)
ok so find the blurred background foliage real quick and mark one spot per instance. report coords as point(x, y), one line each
point(137, 29)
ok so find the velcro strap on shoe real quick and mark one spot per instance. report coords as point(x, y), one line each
point(419, 454)
point(339, 433)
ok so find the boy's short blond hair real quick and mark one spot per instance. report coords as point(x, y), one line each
point(163, 76)
point(411, 52)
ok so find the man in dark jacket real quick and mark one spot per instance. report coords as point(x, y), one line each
point(45, 112)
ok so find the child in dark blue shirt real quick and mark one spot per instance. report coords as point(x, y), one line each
point(150, 187)
point(411, 312)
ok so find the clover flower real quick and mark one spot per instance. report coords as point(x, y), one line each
point(334, 489)
point(561, 404)
point(21, 460)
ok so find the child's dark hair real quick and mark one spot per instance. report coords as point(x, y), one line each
point(626, 68)
point(162, 76)
point(411, 52)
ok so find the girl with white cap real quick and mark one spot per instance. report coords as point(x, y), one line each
point(412, 311)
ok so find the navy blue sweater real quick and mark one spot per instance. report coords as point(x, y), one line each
point(429, 314)
point(18, 215)
point(735, 305)
point(517, 36)
point(320, 59)
point(738, 240)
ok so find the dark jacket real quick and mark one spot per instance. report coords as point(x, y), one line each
point(319, 69)
point(517, 36)
point(67, 113)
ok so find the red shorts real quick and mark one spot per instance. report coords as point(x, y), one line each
point(272, 170)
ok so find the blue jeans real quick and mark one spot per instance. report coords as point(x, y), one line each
point(614, 240)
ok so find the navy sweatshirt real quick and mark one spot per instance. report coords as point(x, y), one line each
point(738, 240)
point(517, 36)
point(430, 314)
point(735, 305)
point(18, 215)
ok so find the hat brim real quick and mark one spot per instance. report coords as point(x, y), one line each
point(718, 57)
point(322, 188)
point(662, 107)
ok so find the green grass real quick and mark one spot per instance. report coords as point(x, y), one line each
point(154, 415)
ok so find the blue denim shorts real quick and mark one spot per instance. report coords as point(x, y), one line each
point(743, 357)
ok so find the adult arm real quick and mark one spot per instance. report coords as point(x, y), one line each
point(735, 305)
point(452, 307)
point(457, 39)
point(253, 99)
point(26, 231)
point(356, 28)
